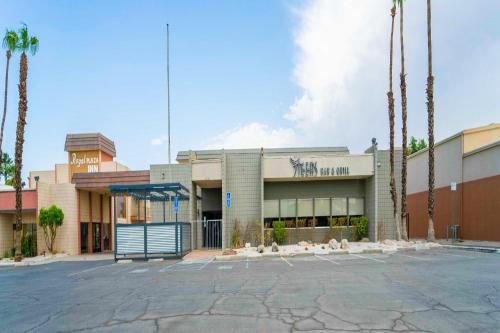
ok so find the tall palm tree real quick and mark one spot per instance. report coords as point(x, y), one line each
point(26, 43)
point(390, 96)
point(402, 78)
point(430, 126)
point(10, 43)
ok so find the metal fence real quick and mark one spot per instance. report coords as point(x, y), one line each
point(152, 240)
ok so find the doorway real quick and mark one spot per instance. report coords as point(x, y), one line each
point(96, 237)
point(84, 237)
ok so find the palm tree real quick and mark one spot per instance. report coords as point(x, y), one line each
point(10, 43)
point(390, 96)
point(430, 126)
point(402, 78)
point(26, 43)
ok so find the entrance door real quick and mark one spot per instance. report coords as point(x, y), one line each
point(84, 237)
point(96, 237)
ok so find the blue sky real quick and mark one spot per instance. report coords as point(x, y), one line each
point(244, 73)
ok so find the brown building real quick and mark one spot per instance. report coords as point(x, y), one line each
point(80, 188)
point(467, 185)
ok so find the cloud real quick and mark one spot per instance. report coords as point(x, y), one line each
point(162, 139)
point(338, 62)
point(253, 135)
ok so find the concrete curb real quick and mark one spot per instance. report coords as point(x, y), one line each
point(373, 251)
point(472, 248)
point(406, 249)
point(339, 252)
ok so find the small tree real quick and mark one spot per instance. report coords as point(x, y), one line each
point(50, 219)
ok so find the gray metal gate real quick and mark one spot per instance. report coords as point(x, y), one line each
point(212, 234)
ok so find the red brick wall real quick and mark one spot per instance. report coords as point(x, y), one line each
point(479, 219)
point(482, 209)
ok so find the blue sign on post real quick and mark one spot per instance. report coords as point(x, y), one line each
point(176, 204)
point(228, 199)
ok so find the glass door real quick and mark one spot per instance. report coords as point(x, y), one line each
point(96, 237)
point(84, 236)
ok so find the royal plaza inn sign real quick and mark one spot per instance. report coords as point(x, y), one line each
point(321, 167)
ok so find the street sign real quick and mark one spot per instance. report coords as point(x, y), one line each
point(228, 199)
point(176, 204)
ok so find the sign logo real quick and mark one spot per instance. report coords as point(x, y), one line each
point(303, 169)
point(310, 169)
point(228, 199)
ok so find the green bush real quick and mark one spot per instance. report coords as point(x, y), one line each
point(50, 219)
point(361, 224)
point(279, 232)
point(28, 245)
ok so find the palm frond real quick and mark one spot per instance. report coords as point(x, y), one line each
point(10, 40)
point(34, 44)
point(397, 2)
point(23, 38)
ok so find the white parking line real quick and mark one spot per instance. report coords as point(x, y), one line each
point(458, 255)
point(362, 257)
point(208, 262)
point(88, 270)
point(289, 264)
point(418, 258)
point(323, 258)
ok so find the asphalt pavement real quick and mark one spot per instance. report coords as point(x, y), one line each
point(440, 290)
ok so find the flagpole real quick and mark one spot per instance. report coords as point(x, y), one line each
point(168, 92)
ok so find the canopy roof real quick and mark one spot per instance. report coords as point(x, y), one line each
point(152, 192)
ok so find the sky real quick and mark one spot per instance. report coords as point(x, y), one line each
point(245, 74)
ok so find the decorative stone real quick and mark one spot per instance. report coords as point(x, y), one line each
point(260, 248)
point(344, 244)
point(365, 240)
point(228, 252)
point(333, 244)
point(274, 247)
point(303, 243)
point(247, 245)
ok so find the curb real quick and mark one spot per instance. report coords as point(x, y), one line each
point(472, 248)
point(373, 251)
point(407, 249)
point(339, 252)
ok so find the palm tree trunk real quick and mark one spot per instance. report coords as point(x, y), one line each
point(390, 96)
point(430, 127)
point(8, 54)
point(404, 116)
point(21, 122)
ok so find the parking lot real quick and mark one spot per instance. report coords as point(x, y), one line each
point(432, 291)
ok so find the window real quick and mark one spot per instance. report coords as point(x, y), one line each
point(288, 212)
point(322, 211)
point(339, 207)
point(305, 211)
point(271, 212)
point(121, 206)
point(356, 206)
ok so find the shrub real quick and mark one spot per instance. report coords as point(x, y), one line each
point(50, 219)
point(341, 221)
point(361, 224)
point(28, 245)
point(279, 232)
point(235, 236)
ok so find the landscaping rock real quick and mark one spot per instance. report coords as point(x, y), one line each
point(303, 243)
point(228, 252)
point(274, 247)
point(260, 248)
point(389, 242)
point(344, 244)
point(365, 240)
point(333, 244)
point(247, 245)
